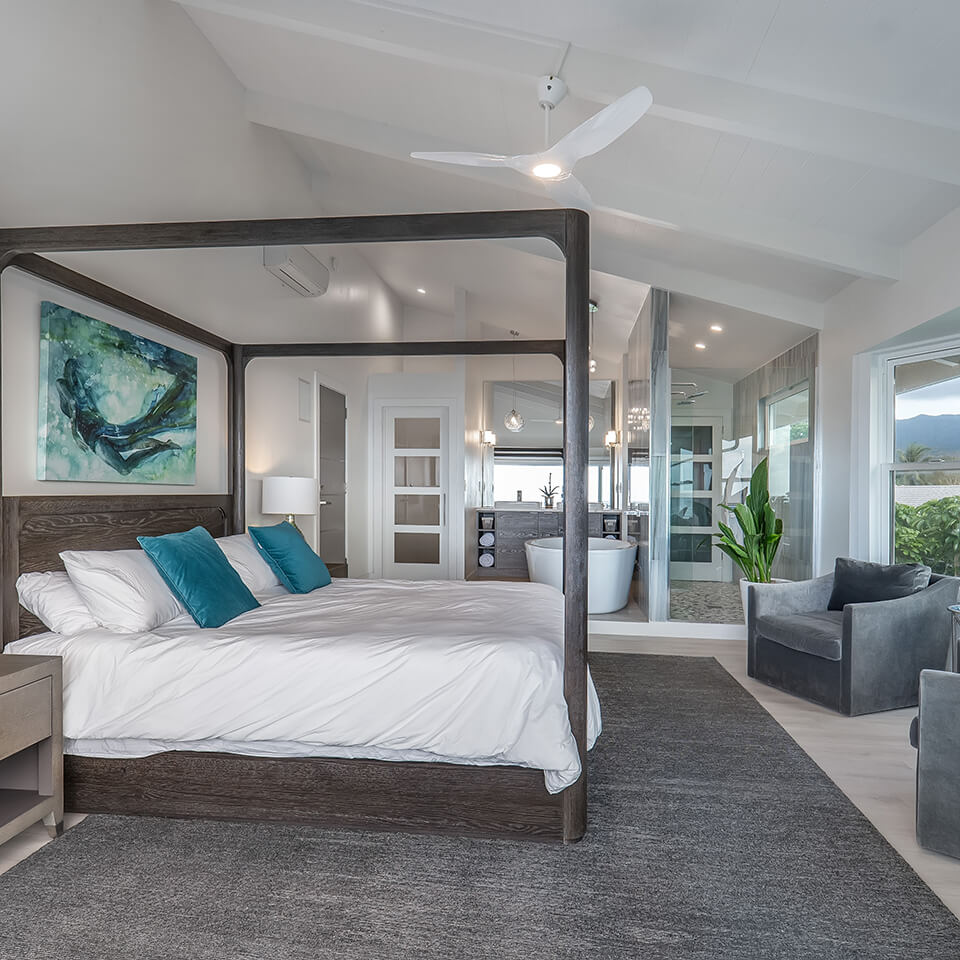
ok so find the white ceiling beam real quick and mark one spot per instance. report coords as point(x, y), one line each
point(686, 214)
point(813, 126)
point(620, 259)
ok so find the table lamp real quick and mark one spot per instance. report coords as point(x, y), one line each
point(289, 496)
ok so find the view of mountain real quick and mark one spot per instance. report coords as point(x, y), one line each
point(941, 434)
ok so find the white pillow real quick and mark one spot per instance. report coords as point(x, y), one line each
point(121, 588)
point(53, 599)
point(245, 558)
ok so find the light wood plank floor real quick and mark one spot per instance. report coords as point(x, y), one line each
point(869, 758)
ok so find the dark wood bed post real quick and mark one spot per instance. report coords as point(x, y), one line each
point(569, 230)
point(576, 432)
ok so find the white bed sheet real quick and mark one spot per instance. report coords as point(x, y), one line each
point(388, 669)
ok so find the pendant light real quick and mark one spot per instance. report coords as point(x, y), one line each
point(514, 421)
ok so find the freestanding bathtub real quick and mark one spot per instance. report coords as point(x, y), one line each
point(609, 571)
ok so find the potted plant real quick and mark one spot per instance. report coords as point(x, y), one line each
point(760, 533)
point(549, 491)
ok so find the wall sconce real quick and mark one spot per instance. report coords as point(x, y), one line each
point(612, 438)
point(489, 438)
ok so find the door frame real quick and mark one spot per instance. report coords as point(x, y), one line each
point(456, 446)
point(322, 380)
point(386, 516)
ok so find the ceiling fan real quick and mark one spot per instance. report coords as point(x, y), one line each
point(553, 167)
point(685, 398)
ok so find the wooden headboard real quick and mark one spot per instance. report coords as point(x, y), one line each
point(36, 529)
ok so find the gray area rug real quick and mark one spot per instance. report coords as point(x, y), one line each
point(712, 836)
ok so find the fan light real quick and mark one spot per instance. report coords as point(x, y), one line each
point(513, 421)
point(547, 171)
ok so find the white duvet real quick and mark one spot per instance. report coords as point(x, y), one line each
point(389, 669)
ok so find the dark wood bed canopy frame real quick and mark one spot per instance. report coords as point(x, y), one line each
point(422, 797)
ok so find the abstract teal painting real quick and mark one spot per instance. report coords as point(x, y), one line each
point(114, 406)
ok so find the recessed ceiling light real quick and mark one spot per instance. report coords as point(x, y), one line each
point(700, 346)
point(716, 328)
point(421, 290)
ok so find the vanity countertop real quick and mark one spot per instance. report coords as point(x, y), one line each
point(527, 509)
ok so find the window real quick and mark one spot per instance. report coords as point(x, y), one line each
point(924, 474)
point(526, 475)
point(787, 424)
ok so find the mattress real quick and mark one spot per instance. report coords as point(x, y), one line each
point(442, 671)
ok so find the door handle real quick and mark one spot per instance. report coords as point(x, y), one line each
point(324, 503)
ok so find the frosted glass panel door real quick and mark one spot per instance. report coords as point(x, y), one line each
point(416, 531)
point(695, 491)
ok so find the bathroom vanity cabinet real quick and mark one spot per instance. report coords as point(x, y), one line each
point(507, 559)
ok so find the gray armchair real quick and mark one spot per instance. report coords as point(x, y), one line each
point(864, 658)
point(935, 735)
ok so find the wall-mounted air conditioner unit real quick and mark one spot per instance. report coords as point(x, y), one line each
point(298, 269)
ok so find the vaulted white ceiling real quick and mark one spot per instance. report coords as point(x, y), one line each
point(793, 146)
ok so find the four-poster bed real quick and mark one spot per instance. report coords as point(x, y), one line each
point(434, 797)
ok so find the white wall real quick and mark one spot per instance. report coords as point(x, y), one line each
point(860, 317)
point(130, 115)
point(278, 442)
point(122, 112)
point(20, 296)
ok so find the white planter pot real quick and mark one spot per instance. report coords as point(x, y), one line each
point(744, 583)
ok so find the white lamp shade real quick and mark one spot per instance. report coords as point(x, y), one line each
point(296, 495)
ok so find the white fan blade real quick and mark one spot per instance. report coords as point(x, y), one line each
point(602, 128)
point(465, 159)
point(569, 192)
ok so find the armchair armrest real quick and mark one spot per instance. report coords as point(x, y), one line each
point(779, 599)
point(886, 644)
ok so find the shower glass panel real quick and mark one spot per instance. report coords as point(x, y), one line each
point(790, 477)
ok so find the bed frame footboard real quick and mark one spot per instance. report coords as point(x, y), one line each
point(368, 794)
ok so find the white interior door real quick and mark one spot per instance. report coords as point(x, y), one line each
point(416, 531)
point(696, 463)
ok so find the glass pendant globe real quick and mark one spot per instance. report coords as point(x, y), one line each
point(513, 421)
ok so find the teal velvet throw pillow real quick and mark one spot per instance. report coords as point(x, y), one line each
point(200, 576)
point(300, 570)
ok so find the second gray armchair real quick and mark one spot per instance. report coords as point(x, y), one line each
point(862, 658)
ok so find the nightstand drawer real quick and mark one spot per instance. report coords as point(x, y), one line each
point(25, 716)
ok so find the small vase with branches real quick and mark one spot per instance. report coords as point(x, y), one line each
point(549, 491)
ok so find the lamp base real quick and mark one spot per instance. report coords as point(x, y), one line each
point(293, 523)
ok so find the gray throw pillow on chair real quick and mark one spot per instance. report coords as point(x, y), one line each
point(857, 581)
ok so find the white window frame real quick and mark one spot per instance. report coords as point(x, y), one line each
point(873, 465)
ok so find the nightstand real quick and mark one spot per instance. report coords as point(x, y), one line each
point(31, 744)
